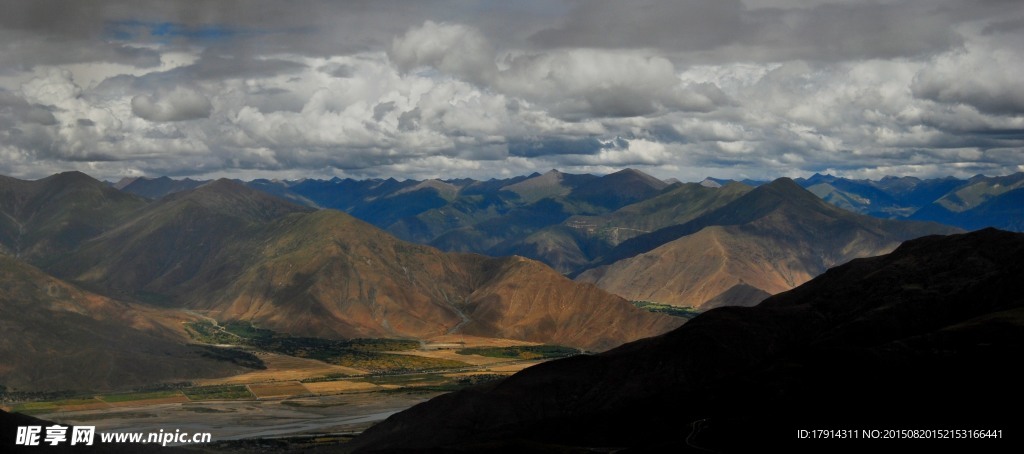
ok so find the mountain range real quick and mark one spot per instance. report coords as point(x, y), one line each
point(615, 230)
point(231, 252)
point(921, 338)
point(238, 253)
point(270, 253)
point(971, 204)
point(421, 211)
point(768, 240)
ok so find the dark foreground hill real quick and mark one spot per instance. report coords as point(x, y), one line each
point(927, 337)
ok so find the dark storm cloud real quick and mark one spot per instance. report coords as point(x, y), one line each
point(209, 67)
point(22, 54)
point(16, 109)
point(1005, 26)
point(733, 29)
point(164, 135)
point(618, 103)
point(341, 71)
point(382, 109)
point(1004, 97)
point(409, 120)
point(554, 146)
point(179, 104)
point(690, 25)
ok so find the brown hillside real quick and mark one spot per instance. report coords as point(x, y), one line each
point(59, 337)
point(925, 337)
point(328, 274)
point(772, 239)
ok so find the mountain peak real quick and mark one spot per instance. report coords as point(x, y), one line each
point(786, 187)
point(710, 183)
point(540, 186)
point(223, 185)
point(230, 196)
point(629, 171)
point(631, 175)
point(124, 182)
point(71, 177)
point(619, 189)
point(782, 192)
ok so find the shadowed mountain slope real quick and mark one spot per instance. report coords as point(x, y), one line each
point(550, 184)
point(493, 222)
point(978, 202)
point(168, 244)
point(771, 239)
point(59, 337)
point(579, 240)
point(156, 188)
point(618, 189)
point(923, 338)
point(983, 202)
point(43, 220)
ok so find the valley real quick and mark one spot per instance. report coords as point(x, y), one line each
point(248, 310)
point(568, 227)
point(289, 396)
point(919, 337)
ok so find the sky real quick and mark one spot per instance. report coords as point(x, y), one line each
point(481, 89)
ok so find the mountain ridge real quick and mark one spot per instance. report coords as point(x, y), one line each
point(886, 332)
point(772, 239)
point(242, 255)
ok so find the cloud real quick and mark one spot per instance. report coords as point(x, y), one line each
point(691, 25)
point(16, 109)
point(992, 87)
point(574, 84)
point(453, 48)
point(179, 104)
point(553, 146)
point(581, 83)
point(716, 31)
point(435, 88)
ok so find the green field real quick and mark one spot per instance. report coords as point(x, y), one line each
point(328, 377)
point(675, 311)
point(226, 392)
point(30, 408)
point(247, 331)
point(209, 333)
point(404, 380)
point(128, 397)
point(387, 363)
point(521, 352)
point(430, 382)
point(365, 354)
